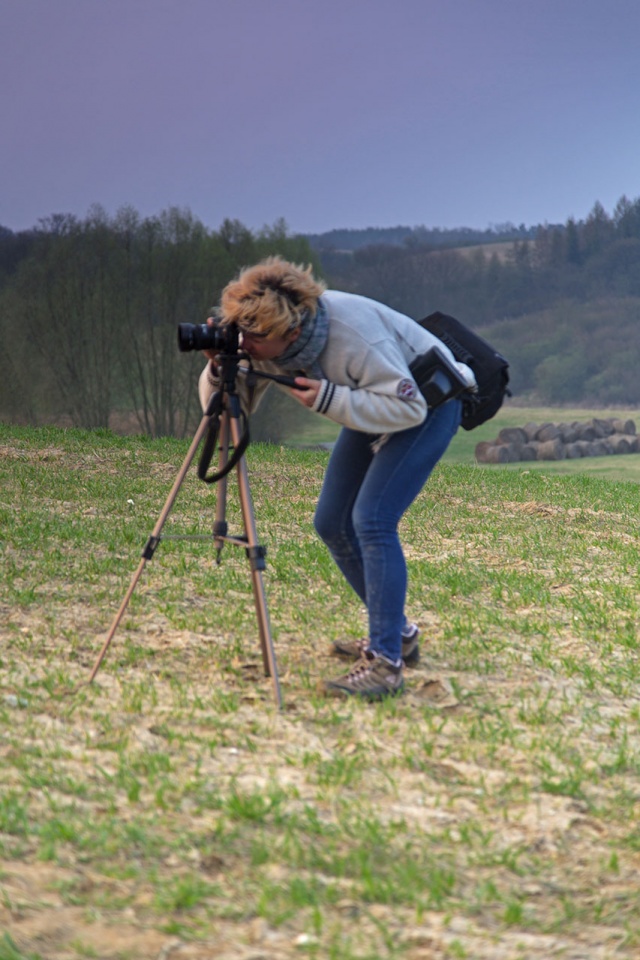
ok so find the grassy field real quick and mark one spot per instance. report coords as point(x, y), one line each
point(170, 810)
point(511, 415)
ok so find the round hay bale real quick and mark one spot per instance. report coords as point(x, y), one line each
point(574, 450)
point(549, 431)
point(585, 447)
point(624, 426)
point(551, 450)
point(512, 435)
point(481, 451)
point(599, 449)
point(603, 428)
point(620, 443)
point(499, 453)
point(531, 430)
point(586, 431)
point(568, 432)
point(528, 451)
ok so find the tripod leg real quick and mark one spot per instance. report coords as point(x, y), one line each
point(152, 542)
point(257, 565)
point(220, 526)
point(118, 618)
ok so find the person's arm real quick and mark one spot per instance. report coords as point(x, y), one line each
point(385, 400)
point(208, 383)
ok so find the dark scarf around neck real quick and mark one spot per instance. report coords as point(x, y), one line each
point(302, 355)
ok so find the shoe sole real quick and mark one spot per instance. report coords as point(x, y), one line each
point(410, 660)
point(361, 694)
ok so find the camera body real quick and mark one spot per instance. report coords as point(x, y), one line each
point(437, 378)
point(221, 337)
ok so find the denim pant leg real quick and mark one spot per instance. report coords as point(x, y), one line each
point(363, 499)
point(348, 464)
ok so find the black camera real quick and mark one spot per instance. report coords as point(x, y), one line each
point(223, 338)
point(437, 378)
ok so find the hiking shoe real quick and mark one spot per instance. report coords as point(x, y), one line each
point(354, 649)
point(372, 678)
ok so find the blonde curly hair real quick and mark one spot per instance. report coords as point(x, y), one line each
point(271, 298)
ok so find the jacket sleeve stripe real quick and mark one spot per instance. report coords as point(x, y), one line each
point(326, 397)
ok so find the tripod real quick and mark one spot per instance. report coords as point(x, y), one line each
point(220, 422)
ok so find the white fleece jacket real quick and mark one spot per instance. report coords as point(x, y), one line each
point(366, 382)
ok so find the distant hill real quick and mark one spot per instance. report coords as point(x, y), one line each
point(352, 239)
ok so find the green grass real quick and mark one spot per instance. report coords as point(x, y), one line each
point(492, 811)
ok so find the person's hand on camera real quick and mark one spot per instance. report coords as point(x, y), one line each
point(307, 391)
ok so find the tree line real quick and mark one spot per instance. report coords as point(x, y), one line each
point(89, 308)
point(89, 314)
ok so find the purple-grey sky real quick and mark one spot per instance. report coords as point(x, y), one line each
point(339, 113)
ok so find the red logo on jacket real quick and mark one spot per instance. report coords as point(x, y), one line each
point(407, 390)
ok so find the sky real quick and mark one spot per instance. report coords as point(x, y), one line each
point(329, 114)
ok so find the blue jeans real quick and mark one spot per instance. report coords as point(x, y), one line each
point(363, 498)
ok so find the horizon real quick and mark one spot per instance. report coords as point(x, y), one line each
point(493, 227)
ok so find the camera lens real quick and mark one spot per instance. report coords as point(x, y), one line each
point(223, 338)
point(197, 336)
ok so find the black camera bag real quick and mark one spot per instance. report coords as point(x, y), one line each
point(490, 368)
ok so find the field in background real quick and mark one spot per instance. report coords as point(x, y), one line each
point(462, 449)
point(170, 810)
point(502, 250)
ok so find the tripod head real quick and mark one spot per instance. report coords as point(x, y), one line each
point(226, 398)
